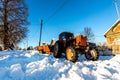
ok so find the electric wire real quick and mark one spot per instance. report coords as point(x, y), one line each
point(56, 11)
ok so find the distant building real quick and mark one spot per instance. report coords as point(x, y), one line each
point(112, 36)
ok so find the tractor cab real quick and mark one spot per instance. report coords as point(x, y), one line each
point(65, 39)
point(65, 36)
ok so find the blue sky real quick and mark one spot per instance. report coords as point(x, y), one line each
point(69, 15)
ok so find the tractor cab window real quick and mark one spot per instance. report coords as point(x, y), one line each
point(63, 38)
point(69, 36)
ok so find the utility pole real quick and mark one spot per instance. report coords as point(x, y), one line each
point(41, 24)
point(116, 6)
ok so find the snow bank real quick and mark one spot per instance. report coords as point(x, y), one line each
point(29, 65)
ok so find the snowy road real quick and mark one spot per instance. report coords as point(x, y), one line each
point(29, 65)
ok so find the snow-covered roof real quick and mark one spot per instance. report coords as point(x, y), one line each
point(112, 26)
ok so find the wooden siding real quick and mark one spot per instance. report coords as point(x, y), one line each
point(113, 37)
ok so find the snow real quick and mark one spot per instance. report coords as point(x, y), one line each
point(29, 65)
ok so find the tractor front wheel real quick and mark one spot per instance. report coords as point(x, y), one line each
point(71, 54)
point(91, 54)
point(57, 50)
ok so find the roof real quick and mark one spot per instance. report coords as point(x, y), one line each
point(65, 33)
point(118, 20)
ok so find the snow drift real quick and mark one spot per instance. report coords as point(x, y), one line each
point(29, 65)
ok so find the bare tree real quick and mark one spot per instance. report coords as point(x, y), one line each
point(88, 32)
point(13, 22)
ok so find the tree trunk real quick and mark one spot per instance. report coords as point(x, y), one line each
point(5, 44)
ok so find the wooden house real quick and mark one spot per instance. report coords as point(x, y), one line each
point(112, 36)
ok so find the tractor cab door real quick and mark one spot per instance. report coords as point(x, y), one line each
point(64, 40)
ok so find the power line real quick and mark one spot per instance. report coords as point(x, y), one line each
point(99, 35)
point(57, 10)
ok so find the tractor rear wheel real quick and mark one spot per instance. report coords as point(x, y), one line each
point(71, 54)
point(57, 50)
point(91, 55)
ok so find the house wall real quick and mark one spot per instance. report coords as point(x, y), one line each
point(113, 38)
point(116, 46)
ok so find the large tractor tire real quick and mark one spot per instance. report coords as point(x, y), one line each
point(57, 50)
point(71, 54)
point(91, 54)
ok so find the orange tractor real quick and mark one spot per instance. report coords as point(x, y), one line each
point(72, 45)
point(46, 48)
